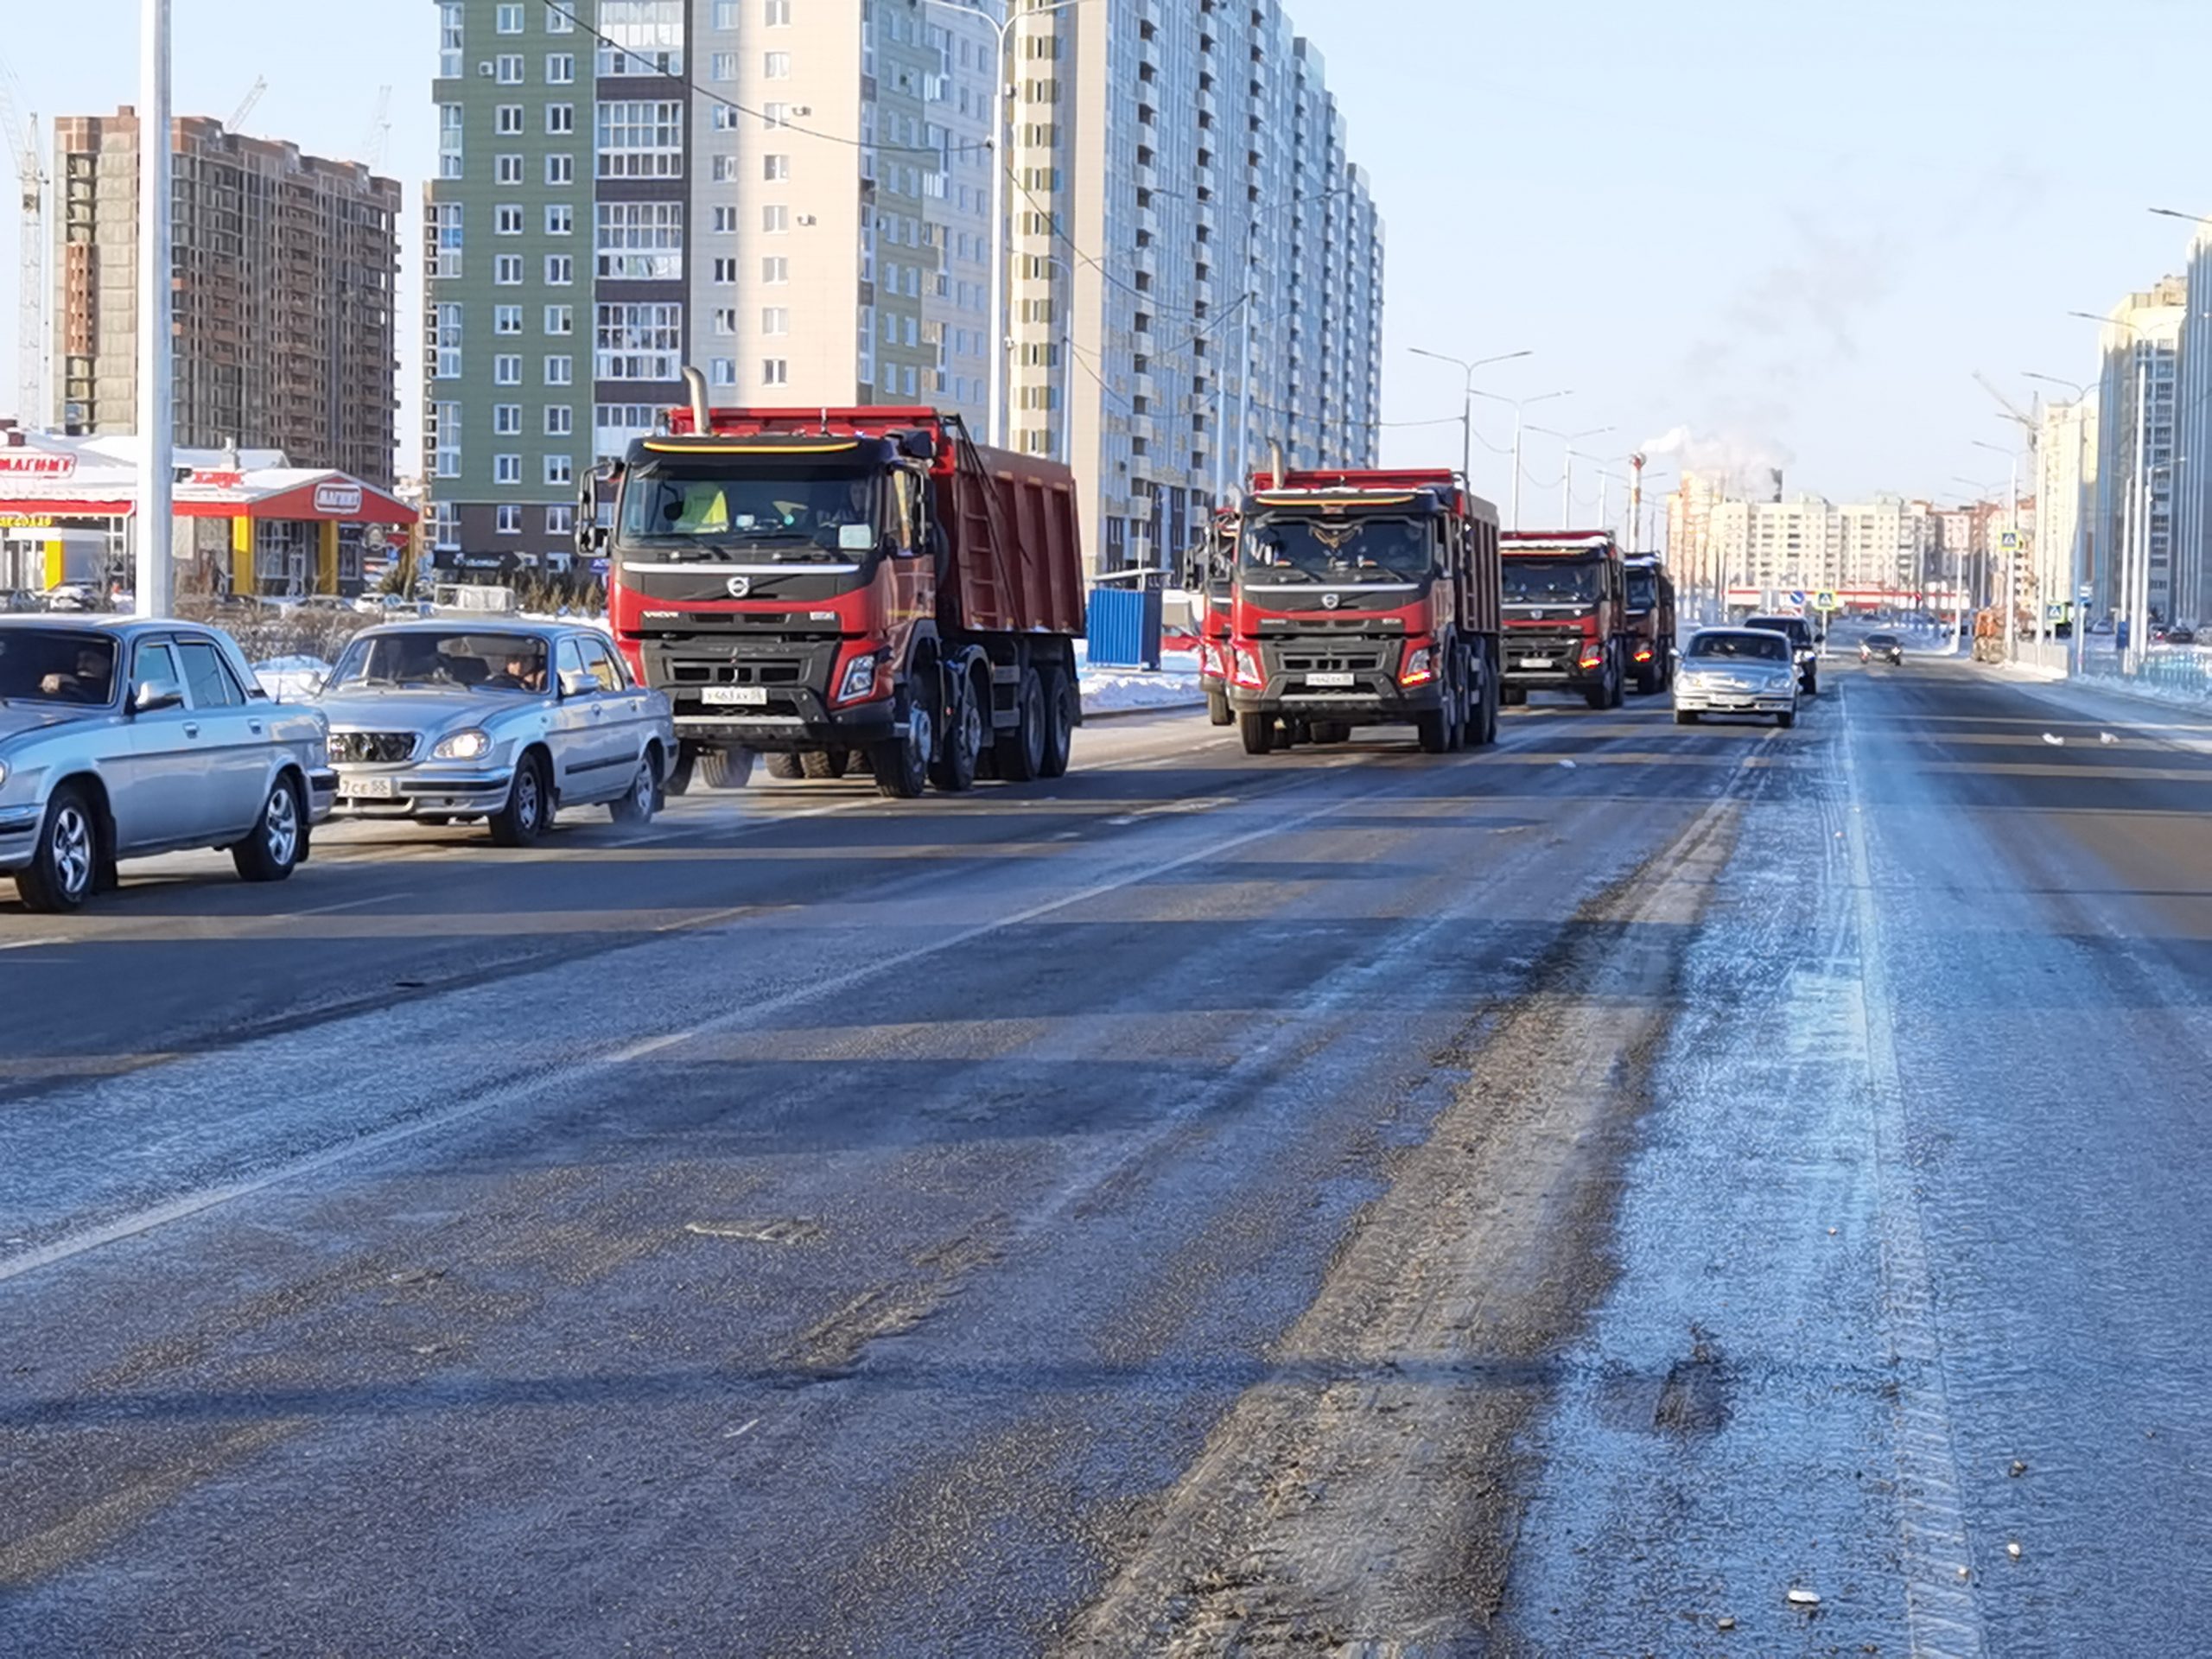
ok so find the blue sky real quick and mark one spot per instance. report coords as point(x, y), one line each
point(1792, 227)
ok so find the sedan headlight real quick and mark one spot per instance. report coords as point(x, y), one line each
point(463, 746)
point(3, 774)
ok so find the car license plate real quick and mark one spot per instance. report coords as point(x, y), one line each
point(1535, 661)
point(1332, 679)
point(734, 696)
point(370, 789)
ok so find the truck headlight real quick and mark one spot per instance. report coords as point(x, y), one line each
point(1420, 666)
point(859, 681)
point(463, 746)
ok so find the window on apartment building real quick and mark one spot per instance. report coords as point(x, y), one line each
point(506, 271)
point(507, 469)
point(445, 439)
point(561, 17)
point(777, 14)
point(507, 69)
point(560, 470)
point(723, 169)
point(560, 370)
point(508, 169)
point(775, 320)
point(452, 37)
point(776, 66)
point(775, 371)
point(640, 138)
point(509, 516)
point(640, 241)
point(725, 222)
point(560, 169)
point(724, 14)
point(445, 342)
point(775, 115)
point(560, 270)
point(560, 68)
point(560, 219)
point(723, 371)
point(506, 318)
point(445, 232)
point(560, 521)
point(560, 120)
point(775, 218)
point(506, 221)
point(774, 269)
point(890, 329)
point(452, 120)
point(775, 168)
point(641, 37)
point(560, 421)
point(642, 341)
point(560, 319)
point(726, 322)
point(727, 118)
point(507, 19)
point(508, 120)
point(614, 424)
point(723, 66)
point(913, 385)
point(507, 370)
point(506, 420)
point(725, 272)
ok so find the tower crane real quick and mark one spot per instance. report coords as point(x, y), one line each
point(31, 318)
point(237, 123)
point(379, 140)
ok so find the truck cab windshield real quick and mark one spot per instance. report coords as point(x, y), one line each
point(802, 517)
point(1338, 550)
point(1642, 590)
point(1551, 581)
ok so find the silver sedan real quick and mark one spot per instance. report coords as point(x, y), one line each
point(504, 721)
point(124, 738)
point(1737, 672)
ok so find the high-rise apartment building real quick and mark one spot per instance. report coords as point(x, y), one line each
point(2192, 491)
point(1808, 543)
point(2066, 457)
point(796, 196)
point(2132, 520)
point(285, 266)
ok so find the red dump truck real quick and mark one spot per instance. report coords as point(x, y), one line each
point(1362, 599)
point(828, 586)
point(1566, 625)
point(1651, 623)
point(1208, 573)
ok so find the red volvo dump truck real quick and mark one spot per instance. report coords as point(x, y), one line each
point(1567, 624)
point(827, 587)
point(1362, 599)
point(1208, 576)
point(1651, 623)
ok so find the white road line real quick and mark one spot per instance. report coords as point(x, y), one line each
point(32, 944)
point(1943, 1617)
point(350, 904)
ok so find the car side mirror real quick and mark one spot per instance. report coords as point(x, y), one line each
point(154, 695)
point(579, 683)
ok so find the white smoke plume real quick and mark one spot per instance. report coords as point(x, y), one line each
point(1740, 466)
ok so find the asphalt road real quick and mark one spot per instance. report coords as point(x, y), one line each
point(1559, 1199)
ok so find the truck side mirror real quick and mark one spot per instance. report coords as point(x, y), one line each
point(917, 446)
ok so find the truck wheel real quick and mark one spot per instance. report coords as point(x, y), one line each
point(1060, 696)
point(954, 769)
point(901, 765)
point(783, 767)
point(1218, 712)
point(1647, 680)
point(1021, 752)
point(1258, 733)
point(725, 768)
point(1489, 732)
point(1620, 679)
point(826, 763)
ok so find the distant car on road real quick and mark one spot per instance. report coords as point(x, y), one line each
point(1804, 643)
point(121, 738)
point(1743, 670)
point(506, 721)
point(1881, 647)
point(2181, 634)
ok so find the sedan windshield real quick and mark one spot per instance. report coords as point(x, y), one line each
point(1738, 647)
point(56, 665)
point(805, 517)
point(1882, 641)
point(486, 662)
point(1551, 581)
point(1385, 549)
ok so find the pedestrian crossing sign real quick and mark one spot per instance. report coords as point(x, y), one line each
point(1824, 601)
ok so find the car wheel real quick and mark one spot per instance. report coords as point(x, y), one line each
point(638, 802)
point(1686, 717)
point(528, 810)
point(59, 877)
point(272, 851)
point(1786, 719)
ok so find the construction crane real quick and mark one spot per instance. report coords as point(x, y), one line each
point(237, 123)
point(30, 316)
point(2029, 424)
point(379, 141)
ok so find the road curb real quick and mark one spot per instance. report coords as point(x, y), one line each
point(1090, 719)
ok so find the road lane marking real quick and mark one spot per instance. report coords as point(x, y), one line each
point(350, 904)
point(32, 945)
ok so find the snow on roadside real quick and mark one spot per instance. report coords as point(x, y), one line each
point(291, 679)
point(1174, 684)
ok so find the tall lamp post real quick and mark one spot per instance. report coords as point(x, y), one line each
point(1566, 487)
point(2079, 560)
point(2012, 556)
point(1519, 404)
point(1002, 99)
point(156, 565)
point(1468, 396)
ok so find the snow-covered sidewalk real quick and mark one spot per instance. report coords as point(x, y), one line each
point(1128, 690)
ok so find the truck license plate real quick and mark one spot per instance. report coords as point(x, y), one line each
point(370, 789)
point(734, 696)
point(1332, 679)
point(1535, 661)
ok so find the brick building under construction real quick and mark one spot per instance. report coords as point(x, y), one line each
point(285, 271)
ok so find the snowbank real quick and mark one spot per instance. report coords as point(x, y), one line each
point(291, 679)
point(1116, 690)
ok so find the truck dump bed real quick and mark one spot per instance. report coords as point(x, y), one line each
point(1013, 541)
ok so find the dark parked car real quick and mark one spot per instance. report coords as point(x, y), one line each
point(1805, 643)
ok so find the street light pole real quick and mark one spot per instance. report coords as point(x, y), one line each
point(1519, 406)
point(2078, 576)
point(2013, 553)
point(1567, 504)
point(155, 554)
point(1468, 394)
